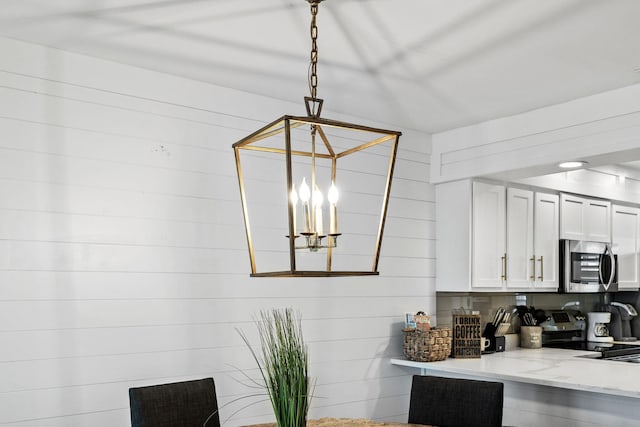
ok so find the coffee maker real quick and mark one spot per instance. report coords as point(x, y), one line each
point(597, 330)
point(631, 299)
point(621, 316)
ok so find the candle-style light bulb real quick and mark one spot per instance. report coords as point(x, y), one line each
point(332, 197)
point(305, 193)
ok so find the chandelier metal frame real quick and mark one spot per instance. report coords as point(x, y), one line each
point(312, 240)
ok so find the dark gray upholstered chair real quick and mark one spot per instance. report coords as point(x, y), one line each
point(453, 402)
point(182, 404)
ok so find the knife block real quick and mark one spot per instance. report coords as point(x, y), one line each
point(496, 342)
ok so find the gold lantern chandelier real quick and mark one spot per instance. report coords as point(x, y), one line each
point(290, 233)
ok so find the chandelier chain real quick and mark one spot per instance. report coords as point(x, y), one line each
point(313, 66)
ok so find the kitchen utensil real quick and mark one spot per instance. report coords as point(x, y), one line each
point(522, 310)
point(540, 316)
point(497, 318)
point(528, 319)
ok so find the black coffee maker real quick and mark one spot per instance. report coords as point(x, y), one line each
point(622, 315)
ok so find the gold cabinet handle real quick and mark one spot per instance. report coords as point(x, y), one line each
point(504, 266)
point(541, 276)
point(533, 262)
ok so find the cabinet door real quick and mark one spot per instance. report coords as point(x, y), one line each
point(519, 238)
point(585, 219)
point(488, 247)
point(624, 235)
point(546, 232)
point(572, 219)
point(598, 220)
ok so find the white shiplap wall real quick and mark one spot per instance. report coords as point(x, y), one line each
point(123, 258)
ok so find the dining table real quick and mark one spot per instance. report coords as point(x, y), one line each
point(347, 422)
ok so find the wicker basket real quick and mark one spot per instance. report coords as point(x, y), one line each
point(427, 346)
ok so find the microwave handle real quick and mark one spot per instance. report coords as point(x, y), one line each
point(613, 265)
point(608, 252)
point(600, 258)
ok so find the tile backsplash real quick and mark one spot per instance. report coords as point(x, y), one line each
point(487, 303)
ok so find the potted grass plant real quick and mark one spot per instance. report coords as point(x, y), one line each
point(284, 365)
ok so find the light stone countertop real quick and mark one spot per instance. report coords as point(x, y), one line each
point(545, 366)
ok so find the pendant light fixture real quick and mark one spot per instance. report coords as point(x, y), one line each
point(284, 171)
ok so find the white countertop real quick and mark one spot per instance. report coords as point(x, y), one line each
point(548, 367)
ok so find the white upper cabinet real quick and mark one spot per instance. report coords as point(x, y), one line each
point(625, 228)
point(532, 240)
point(519, 253)
point(598, 221)
point(583, 218)
point(493, 238)
point(546, 237)
point(490, 237)
point(489, 267)
point(572, 217)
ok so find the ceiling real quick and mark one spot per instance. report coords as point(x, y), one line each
point(429, 65)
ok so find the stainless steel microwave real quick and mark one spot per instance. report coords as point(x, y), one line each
point(587, 267)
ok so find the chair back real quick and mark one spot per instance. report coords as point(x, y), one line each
point(181, 404)
point(454, 402)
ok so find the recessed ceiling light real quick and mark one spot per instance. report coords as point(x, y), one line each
point(572, 165)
